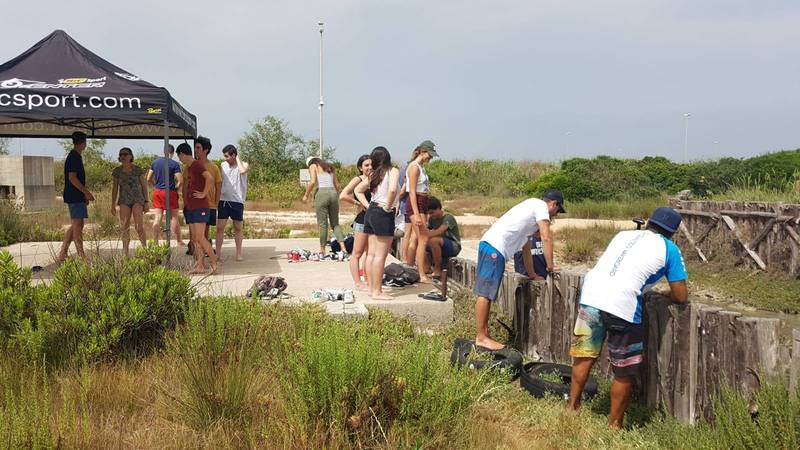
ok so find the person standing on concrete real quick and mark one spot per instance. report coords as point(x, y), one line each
point(155, 177)
point(611, 305)
point(76, 196)
point(418, 189)
point(379, 219)
point(326, 199)
point(499, 244)
point(202, 147)
point(129, 192)
point(196, 191)
point(232, 198)
point(364, 166)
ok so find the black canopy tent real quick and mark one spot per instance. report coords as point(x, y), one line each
point(58, 86)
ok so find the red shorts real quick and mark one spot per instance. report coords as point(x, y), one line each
point(422, 205)
point(159, 199)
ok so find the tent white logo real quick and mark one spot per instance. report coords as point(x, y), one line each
point(127, 76)
point(19, 83)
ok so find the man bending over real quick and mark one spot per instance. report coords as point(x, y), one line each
point(611, 305)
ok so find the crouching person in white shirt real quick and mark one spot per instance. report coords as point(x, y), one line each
point(611, 305)
point(499, 244)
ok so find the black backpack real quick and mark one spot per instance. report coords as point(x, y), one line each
point(404, 275)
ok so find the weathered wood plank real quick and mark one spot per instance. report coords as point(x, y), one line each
point(692, 242)
point(690, 212)
point(732, 226)
point(764, 232)
point(707, 231)
point(708, 361)
point(794, 369)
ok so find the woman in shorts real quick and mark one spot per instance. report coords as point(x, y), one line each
point(360, 239)
point(418, 189)
point(129, 193)
point(380, 216)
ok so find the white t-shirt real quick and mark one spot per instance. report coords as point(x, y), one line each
point(509, 234)
point(633, 262)
point(234, 184)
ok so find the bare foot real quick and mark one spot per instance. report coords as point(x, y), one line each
point(197, 271)
point(181, 244)
point(488, 343)
point(362, 287)
point(214, 265)
point(239, 258)
point(381, 296)
point(436, 276)
point(425, 280)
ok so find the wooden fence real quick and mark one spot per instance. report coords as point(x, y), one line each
point(692, 350)
point(762, 234)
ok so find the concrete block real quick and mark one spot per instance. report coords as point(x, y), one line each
point(341, 310)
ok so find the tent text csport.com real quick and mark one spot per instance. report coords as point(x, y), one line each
point(31, 101)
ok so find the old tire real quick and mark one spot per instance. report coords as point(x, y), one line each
point(466, 354)
point(532, 381)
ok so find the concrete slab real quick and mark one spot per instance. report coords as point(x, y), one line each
point(262, 257)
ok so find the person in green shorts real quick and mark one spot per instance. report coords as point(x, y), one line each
point(326, 199)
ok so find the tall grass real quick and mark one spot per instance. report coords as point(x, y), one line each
point(763, 189)
point(615, 209)
point(583, 245)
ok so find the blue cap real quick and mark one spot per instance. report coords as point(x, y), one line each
point(666, 218)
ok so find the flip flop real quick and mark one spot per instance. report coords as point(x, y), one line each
point(434, 295)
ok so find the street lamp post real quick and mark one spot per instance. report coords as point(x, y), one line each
point(321, 102)
point(686, 136)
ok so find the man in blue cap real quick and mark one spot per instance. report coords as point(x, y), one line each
point(611, 305)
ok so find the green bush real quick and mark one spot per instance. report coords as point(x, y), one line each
point(220, 354)
point(91, 309)
point(484, 177)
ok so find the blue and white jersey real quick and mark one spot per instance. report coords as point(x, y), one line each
point(633, 262)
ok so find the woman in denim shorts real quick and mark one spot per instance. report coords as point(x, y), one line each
point(360, 240)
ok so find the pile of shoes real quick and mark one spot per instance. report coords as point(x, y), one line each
point(333, 295)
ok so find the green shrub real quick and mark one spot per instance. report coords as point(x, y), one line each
point(91, 309)
point(220, 354)
point(484, 177)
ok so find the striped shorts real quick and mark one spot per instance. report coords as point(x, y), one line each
point(625, 340)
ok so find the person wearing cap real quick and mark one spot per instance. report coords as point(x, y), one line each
point(76, 196)
point(418, 188)
point(611, 305)
point(501, 241)
point(129, 194)
point(326, 198)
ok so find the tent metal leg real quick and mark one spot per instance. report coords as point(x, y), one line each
point(168, 207)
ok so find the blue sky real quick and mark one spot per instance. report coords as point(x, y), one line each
point(531, 79)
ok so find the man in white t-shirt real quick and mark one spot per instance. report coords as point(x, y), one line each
point(506, 237)
point(232, 198)
point(611, 305)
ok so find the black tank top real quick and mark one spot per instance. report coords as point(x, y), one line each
point(360, 216)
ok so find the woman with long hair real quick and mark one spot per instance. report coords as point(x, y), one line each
point(379, 218)
point(129, 192)
point(326, 199)
point(360, 240)
point(417, 186)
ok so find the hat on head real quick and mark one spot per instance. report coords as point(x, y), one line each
point(555, 194)
point(308, 160)
point(428, 146)
point(666, 218)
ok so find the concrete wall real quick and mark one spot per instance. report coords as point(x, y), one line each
point(32, 178)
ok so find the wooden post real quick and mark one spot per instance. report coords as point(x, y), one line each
point(709, 360)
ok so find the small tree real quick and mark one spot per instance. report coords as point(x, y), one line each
point(5, 145)
point(93, 152)
point(275, 153)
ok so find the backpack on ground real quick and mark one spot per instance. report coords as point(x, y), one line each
point(267, 287)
